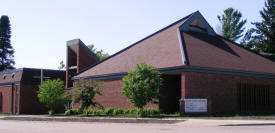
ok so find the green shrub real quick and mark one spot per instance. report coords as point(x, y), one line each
point(109, 111)
point(73, 112)
point(133, 111)
point(68, 112)
point(51, 112)
point(151, 112)
point(114, 112)
point(101, 112)
point(93, 112)
point(77, 111)
point(118, 111)
point(126, 111)
point(86, 112)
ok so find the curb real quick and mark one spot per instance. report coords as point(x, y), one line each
point(94, 119)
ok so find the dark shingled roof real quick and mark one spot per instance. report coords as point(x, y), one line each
point(161, 49)
point(11, 76)
point(216, 52)
point(171, 47)
point(26, 75)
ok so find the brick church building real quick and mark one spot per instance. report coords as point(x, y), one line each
point(202, 71)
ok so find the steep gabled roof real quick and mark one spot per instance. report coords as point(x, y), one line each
point(161, 49)
point(190, 42)
point(204, 50)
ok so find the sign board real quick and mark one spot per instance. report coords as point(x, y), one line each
point(195, 105)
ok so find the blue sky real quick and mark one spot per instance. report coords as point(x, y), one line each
point(40, 28)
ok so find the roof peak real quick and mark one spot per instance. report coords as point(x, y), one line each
point(196, 22)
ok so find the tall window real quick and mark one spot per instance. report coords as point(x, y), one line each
point(254, 98)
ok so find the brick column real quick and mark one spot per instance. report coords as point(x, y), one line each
point(183, 93)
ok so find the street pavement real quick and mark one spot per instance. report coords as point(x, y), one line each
point(188, 126)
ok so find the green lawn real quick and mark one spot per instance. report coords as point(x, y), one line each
point(1, 114)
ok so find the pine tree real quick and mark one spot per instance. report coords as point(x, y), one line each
point(6, 50)
point(262, 38)
point(232, 25)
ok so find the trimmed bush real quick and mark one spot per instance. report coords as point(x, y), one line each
point(68, 112)
point(134, 111)
point(109, 111)
point(51, 112)
point(118, 111)
point(77, 111)
point(114, 112)
point(151, 111)
point(73, 112)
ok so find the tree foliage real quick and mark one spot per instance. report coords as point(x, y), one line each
point(232, 25)
point(61, 65)
point(51, 92)
point(99, 53)
point(141, 85)
point(262, 37)
point(85, 92)
point(6, 49)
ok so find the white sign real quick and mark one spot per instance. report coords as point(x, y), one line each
point(195, 105)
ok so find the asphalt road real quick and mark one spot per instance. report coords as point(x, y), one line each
point(189, 126)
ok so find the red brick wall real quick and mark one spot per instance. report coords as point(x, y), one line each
point(112, 95)
point(220, 90)
point(16, 103)
point(6, 99)
point(79, 57)
point(29, 102)
point(84, 59)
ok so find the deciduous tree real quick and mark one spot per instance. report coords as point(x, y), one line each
point(85, 92)
point(51, 92)
point(141, 85)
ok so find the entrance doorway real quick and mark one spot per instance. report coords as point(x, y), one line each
point(170, 93)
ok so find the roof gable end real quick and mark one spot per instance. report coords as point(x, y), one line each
point(196, 22)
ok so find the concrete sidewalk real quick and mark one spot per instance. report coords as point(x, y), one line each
point(110, 119)
point(188, 126)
